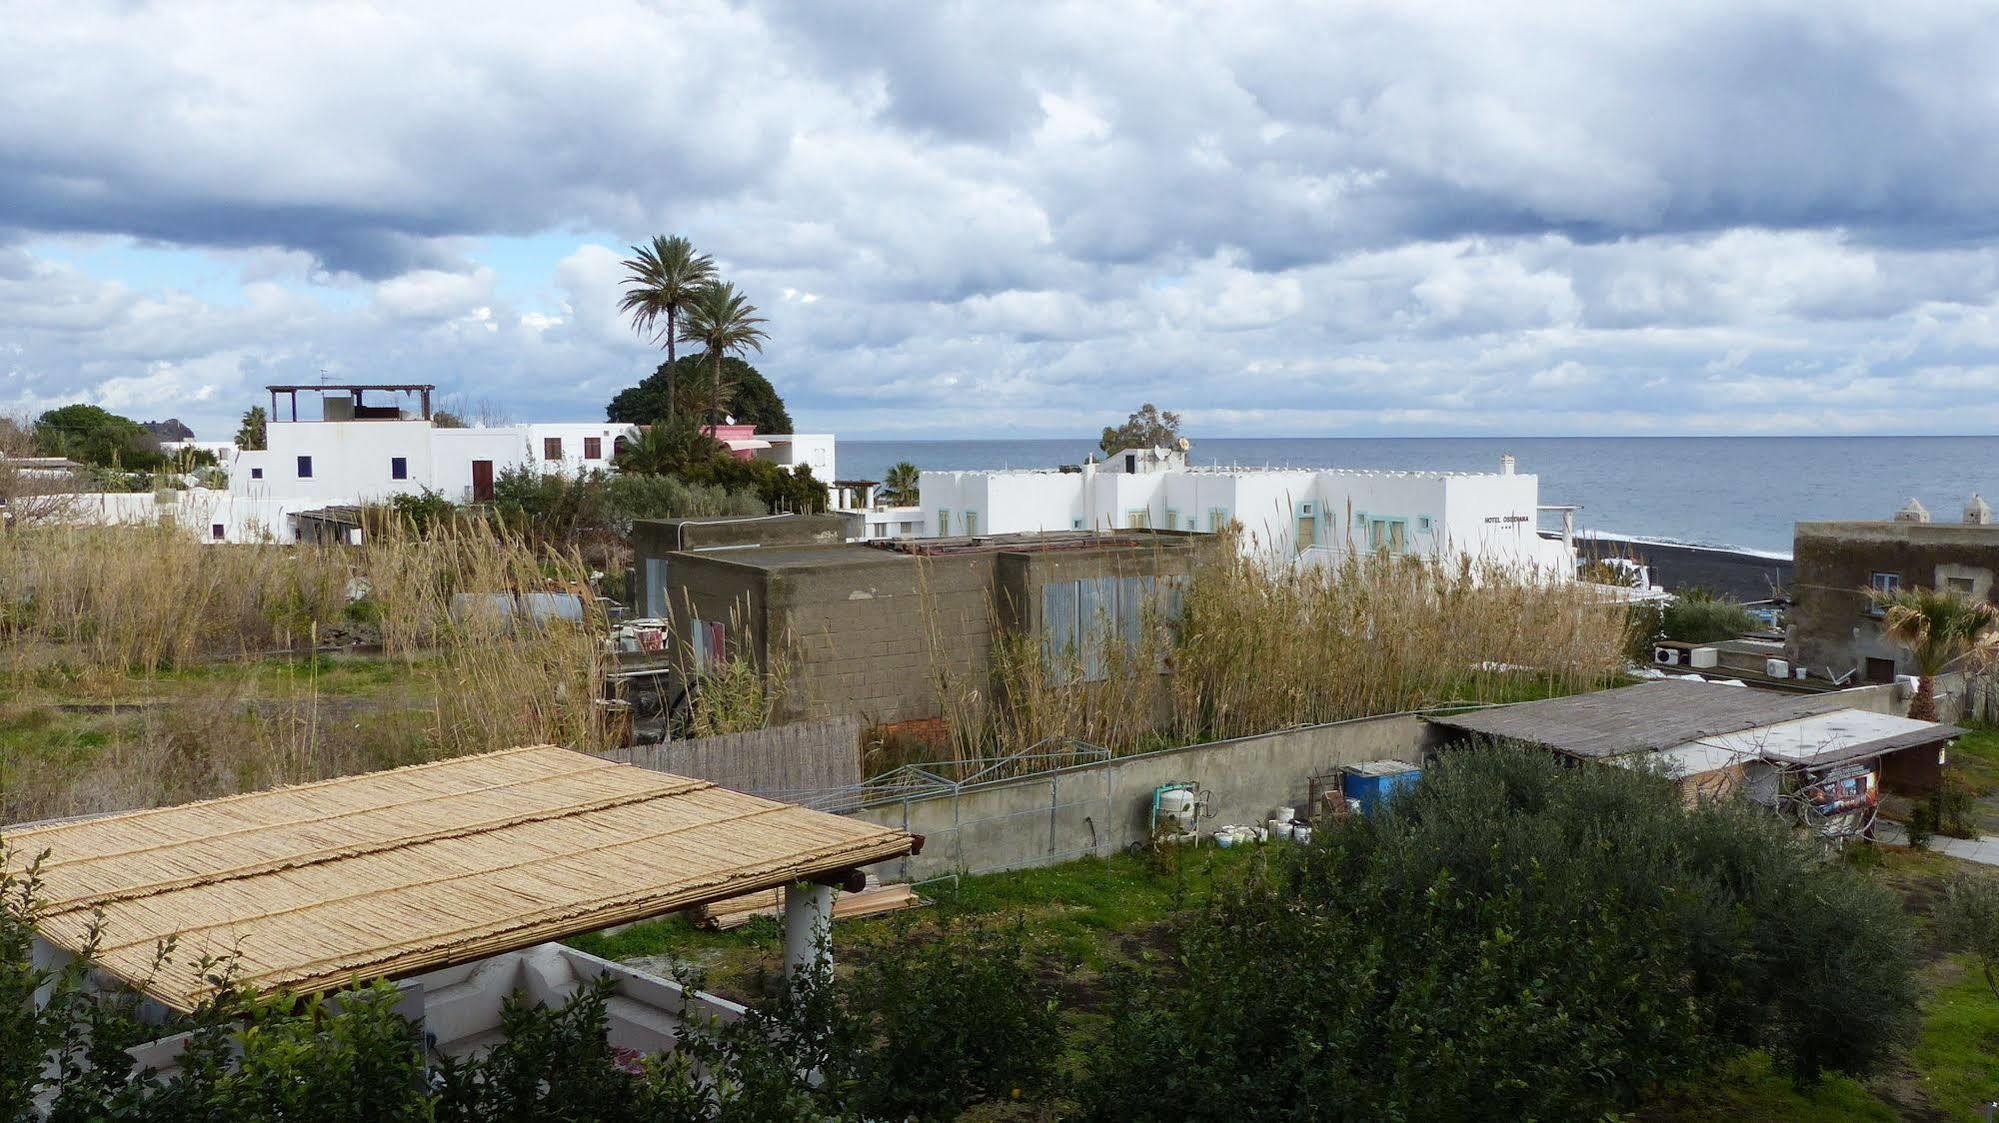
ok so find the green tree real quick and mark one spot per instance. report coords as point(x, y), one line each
point(91, 435)
point(670, 448)
point(748, 395)
point(899, 485)
point(662, 279)
point(1527, 938)
point(1968, 920)
point(1150, 427)
point(250, 436)
point(724, 322)
point(1939, 627)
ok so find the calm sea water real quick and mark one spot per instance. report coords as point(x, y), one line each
point(1739, 492)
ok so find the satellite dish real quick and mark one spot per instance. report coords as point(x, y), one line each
point(1184, 444)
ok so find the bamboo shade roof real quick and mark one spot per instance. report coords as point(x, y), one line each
point(391, 873)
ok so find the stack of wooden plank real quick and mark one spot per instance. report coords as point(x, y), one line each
point(738, 911)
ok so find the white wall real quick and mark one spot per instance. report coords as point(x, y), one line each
point(1486, 515)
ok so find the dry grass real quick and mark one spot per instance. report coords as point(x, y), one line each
point(96, 614)
point(1254, 648)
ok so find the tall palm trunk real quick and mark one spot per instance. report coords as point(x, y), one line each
point(1923, 706)
point(672, 330)
point(715, 388)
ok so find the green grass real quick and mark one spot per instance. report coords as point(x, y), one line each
point(1750, 1087)
point(1975, 756)
point(1958, 1056)
point(1083, 914)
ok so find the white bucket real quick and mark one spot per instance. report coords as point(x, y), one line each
point(1280, 828)
point(1286, 814)
point(1302, 835)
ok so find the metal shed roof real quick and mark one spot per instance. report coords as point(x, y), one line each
point(389, 873)
point(1648, 717)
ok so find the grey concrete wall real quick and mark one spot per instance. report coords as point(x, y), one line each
point(883, 641)
point(1102, 808)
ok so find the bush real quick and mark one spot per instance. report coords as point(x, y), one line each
point(951, 1022)
point(1535, 940)
point(1951, 804)
point(1699, 616)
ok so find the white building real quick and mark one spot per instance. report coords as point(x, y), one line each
point(361, 450)
point(1312, 515)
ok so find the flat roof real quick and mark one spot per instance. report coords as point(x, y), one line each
point(406, 387)
point(391, 873)
point(903, 551)
point(1649, 717)
point(1830, 738)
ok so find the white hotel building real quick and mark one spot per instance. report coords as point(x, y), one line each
point(1311, 515)
point(361, 450)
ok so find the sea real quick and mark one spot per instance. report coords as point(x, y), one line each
point(1734, 493)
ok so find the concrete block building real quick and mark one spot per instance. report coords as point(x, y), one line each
point(888, 630)
point(1835, 628)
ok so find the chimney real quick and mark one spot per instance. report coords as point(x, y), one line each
point(1977, 512)
point(1912, 512)
point(1506, 464)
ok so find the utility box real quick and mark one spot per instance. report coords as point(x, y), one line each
point(1372, 782)
point(1703, 658)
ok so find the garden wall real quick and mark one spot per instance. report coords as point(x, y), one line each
point(1103, 808)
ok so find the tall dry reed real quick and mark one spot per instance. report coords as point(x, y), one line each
point(150, 613)
point(1248, 647)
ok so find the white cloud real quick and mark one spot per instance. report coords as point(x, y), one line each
point(1280, 217)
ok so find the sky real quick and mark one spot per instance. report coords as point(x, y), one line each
point(1022, 219)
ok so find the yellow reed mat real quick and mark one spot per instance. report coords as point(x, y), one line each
point(392, 873)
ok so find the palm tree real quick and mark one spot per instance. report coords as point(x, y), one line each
point(663, 280)
point(1939, 627)
point(723, 322)
point(899, 485)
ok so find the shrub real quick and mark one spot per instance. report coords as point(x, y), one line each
point(1535, 940)
point(1951, 804)
point(1699, 616)
point(950, 1022)
point(1968, 920)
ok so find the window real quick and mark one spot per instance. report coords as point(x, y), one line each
point(593, 448)
point(1422, 522)
point(551, 448)
point(1130, 462)
point(1075, 524)
point(655, 571)
point(256, 473)
point(1360, 520)
point(215, 531)
point(971, 523)
point(943, 522)
point(1172, 519)
point(305, 467)
point(399, 467)
point(1138, 517)
point(1388, 534)
point(709, 643)
point(1959, 585)
point(1218, 517)
point(1885, 582)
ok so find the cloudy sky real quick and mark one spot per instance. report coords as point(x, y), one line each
point(1012, 218)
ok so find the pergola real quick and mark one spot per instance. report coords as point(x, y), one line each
point(389, 874)
point(422, 389)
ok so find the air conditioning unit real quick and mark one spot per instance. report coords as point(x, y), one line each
point(1669, 656)
point(1702, 658)
point(1777, 668)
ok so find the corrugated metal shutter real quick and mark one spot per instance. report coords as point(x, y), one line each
point(1058, 627)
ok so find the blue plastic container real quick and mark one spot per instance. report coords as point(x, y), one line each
point(1374, 781)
